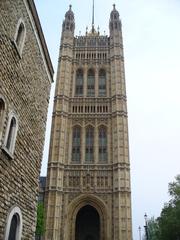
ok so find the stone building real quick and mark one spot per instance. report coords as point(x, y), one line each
point(42, 188)
point(26, 74)
point(88, 195)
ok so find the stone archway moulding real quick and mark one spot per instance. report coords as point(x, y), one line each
point(13, 210)
point(76, 205)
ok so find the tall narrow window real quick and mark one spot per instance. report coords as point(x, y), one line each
point(91, 83)
point(76, 144)
point(102, 82)
point(79, 83)
point(2, 108)
point(2, 111)
point(102, 144)
point(14, 224)
point(13, 227)
point(89, 144)
point(11, 132)
point(20, 35)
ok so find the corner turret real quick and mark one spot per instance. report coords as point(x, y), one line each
point(69, 23)
point(115, 22)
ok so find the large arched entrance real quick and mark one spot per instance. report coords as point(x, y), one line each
point(87, 224)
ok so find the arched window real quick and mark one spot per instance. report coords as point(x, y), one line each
point(102, 144)
point(11, 132)
point(79, 83)
point(20, 35)
point(76, 144)
point(13, 227)
point(90, 83)
point(2, 112)
point(2, 108)
point(89, 144)
point(14, 224)
point(102, 82)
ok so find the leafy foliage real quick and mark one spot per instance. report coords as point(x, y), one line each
point(40, 226)
point(153, 229)
point(174, 190)
point(169, 222)
point(167, 226)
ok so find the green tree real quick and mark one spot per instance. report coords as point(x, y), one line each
point(169, 220)
point(153, 229)
point(174, 190)
point(167, 226)
point(40, 226)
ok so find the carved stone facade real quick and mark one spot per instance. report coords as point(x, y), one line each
point(88, 168)
point(26, 74)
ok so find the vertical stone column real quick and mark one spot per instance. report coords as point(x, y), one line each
point(59, 147)
point(83, 143)
point(85, 80)
point(96, 143)
point(96, 82)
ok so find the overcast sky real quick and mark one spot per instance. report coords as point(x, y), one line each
point(151, 32)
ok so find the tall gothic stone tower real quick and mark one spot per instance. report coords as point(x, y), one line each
point(88, 194)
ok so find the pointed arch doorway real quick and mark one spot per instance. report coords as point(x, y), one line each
point(87, 226)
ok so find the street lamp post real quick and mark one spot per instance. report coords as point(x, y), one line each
point(139, 233)
point(146, 227)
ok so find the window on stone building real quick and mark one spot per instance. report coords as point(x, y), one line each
point(2, 112)
point(11, 132)
point(12, 129)
point(79, 83)
point(76, 144)
point(91, 83)
point(2, 108)
point(102, 82)
point(71, 27)
point(13, 227)
point(89, 144)
point(20, 35)
point(14, 224)
point(67, 25)
point(102, 144)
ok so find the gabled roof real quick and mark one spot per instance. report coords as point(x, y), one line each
point(34, 13)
